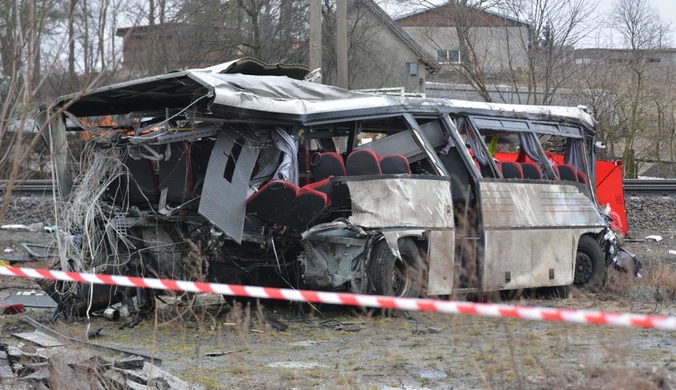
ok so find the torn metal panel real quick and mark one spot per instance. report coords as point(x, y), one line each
point(223, 201)
point(418, 202)
point(441, 262)
point(392, 238)
point(40, 338)
point(331, 255)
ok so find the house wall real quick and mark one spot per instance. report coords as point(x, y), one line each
point(377, 56)
point(498, 49)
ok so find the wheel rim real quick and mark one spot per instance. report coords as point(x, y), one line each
point(583, 268)
point(401, 282)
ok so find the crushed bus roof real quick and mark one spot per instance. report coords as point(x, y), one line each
point(259, 91)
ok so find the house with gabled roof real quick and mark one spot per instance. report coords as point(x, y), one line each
point(497, 43)
point(380, 53)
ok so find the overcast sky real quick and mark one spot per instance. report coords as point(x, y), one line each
point(666, 9)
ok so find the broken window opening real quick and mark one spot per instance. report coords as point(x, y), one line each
point(232, 159)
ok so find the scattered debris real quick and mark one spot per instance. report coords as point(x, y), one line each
point(7, 260)
point(297, 365)
point(277, 324)
point(111, 314)
point(8, 250)
point(11, 308)
point(97, 347)
point(673, 252)
point(223, 353)
point(305, 343)
point(654, 237)
point(42, 371)
point(40, 338)
point(130, 324)
point(93, 334)
point(34, 227)
point(344, 326)
point(46, 250)
point(31, 298)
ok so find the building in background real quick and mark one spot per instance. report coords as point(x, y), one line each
point(159, 48)
point(498, 44)
point(380, 53)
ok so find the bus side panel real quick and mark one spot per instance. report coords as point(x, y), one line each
point(532, 231)
point(518, 259)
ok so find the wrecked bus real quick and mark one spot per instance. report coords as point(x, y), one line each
point(244, 173)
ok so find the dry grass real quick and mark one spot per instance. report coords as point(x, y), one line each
point(662, 276)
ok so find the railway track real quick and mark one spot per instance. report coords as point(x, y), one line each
point(646, 187)
point(632, 187)
point(42, 186)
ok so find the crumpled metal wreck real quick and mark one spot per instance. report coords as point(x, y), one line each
point(245, 173)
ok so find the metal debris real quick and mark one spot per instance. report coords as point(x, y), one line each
point(39, 338)
point(97, 347)
point(31, 298)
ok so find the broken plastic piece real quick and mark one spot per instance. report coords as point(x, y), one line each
point(11, 308)
point(654, 237)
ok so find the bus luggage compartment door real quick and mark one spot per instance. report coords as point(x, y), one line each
point(402, 204)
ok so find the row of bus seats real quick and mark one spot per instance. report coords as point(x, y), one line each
point(285, 204)
point(359, 162)
point(530, 170)
point(325, 165)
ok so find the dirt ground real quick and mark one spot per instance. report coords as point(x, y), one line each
point(335, 348)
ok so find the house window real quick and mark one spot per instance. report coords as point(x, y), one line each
point(448, 56)
point(655, 59)
point(412, 68)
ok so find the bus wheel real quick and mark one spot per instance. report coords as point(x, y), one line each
point(590, 265)
point(396, 277)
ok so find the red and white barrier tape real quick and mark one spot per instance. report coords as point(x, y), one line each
point(479, 309)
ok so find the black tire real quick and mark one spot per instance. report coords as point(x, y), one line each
point(590, 265)
point(396, 277)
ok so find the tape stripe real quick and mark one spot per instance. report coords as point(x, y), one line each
point(373, 301)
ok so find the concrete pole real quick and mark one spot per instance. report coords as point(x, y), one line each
point(315, 34)
point(341, 42)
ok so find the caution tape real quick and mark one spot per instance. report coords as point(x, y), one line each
point(347, 299)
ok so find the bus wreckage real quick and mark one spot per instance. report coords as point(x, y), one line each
point(245, 173)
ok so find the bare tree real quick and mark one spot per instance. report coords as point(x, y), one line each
point(555, 27)
point(643, 31)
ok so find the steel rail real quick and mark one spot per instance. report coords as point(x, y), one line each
point(649, 187)
point(632, 187)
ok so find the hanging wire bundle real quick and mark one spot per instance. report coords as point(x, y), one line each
point(85, 223)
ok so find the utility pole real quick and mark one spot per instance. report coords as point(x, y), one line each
point(341, 42)
point(315, 34)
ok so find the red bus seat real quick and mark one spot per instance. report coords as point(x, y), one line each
point(363, 162)
point(394, 164)
point(325, 164)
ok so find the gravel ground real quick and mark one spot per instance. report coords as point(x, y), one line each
point(28, 210)
point(652, 216)
point(337, 349)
